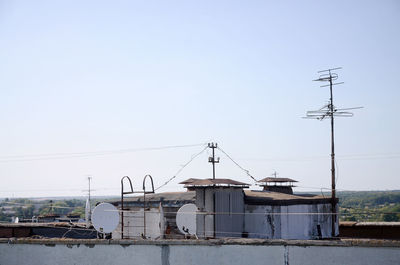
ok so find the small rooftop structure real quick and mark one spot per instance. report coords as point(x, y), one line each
point(283, 185)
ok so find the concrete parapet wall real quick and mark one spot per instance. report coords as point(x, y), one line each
point(187, 252)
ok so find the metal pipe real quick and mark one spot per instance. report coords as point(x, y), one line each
point(333, 171)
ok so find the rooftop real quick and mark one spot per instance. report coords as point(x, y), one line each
point(214, 182)
point(170, 197)
point(269, 179)
point(188, 181)
point(251, 197)
point(278, 198)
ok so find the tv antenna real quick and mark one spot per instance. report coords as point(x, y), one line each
point(330, 111)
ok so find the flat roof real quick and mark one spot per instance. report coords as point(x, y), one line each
point(172, 197)
point(278, 198)
point(190, 180)
point(269, 179)
point(216, 182)
point(254, 197)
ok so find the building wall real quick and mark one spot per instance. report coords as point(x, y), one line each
point(205, 204)
point(134, 224)
point(230, 204)
point(287, 222)
point(198, 253)
point(226, 206)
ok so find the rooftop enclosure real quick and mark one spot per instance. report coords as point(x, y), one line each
point(225, 209)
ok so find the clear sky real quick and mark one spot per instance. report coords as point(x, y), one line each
point(89, 76)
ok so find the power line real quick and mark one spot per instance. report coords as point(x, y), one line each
point(245, 170)
point(34, 157)
point(320, 157)
point(182, 167)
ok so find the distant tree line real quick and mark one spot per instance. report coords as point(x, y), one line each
point(361, 206)
point(370, 206)
point(26, 208)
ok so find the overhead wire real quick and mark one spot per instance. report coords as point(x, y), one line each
point(318, 157)
point(181, 168)
point(50, 156)
point(230, 158)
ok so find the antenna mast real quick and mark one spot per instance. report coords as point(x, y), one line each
point(212, 159)
point(89, 179)
point(88, 210)
point(331, 111)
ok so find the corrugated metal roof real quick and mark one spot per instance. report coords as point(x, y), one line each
point(269, 179)
point(216, 182)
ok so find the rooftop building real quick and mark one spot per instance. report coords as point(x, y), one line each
point(226, 208)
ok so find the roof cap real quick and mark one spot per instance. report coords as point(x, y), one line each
point(215, 182)
point(269, 179)
point(188, 181)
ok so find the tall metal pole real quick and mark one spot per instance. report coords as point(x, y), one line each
point(89, 178)
point(213, 161)
point(333, 180)
point(325, 112)
point(213, 151)
point(88, 205)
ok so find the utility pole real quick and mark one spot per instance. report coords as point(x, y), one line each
point(212, 159)
point(89, 179)
point(88, 210)
point(329, 110)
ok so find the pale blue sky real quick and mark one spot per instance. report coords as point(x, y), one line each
point(78, 76)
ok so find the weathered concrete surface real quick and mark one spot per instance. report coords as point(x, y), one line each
point(381, 230)
point(226, 254)
point(288, 222)
point(343, 255)
point(201, 252)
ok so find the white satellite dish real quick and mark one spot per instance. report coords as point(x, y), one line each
point(105, 218)
point(186, 219)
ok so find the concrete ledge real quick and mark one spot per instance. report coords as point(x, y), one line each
point(211, 242)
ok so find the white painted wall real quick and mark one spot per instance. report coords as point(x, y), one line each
point(191, 254)
point(287, 222)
